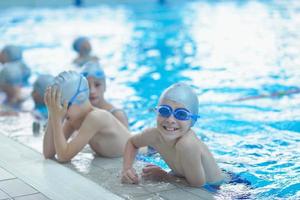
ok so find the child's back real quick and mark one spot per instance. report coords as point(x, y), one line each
point(105, 134)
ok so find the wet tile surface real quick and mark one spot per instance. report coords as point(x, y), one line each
point(106, 173)
point(16, 187)
point(38, 196)
point(4, 175)
point(3, 195)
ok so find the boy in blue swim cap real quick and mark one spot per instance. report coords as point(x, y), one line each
point(176, 142)
point(70, 111)
point(40, 85)
point(97, 85)
point(14, 54)
point(83, 48)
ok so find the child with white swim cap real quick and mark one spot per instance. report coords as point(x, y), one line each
point(70, 111)
point(177, 143)
point(83, 48)
point(97, 85)
point(14, 54)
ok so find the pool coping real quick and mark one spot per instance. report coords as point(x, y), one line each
point(46, 176)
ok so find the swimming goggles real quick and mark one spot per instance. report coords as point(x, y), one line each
point(97, 74)
point(181, 114)
point(78, 91)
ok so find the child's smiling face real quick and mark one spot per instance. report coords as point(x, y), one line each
point(170, 127)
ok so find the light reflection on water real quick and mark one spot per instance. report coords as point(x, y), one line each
point(227, 50)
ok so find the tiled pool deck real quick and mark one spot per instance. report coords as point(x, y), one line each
point(25, 174)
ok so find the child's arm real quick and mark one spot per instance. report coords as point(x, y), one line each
point(128, 174)
point(90, 126)
point(192, 165)
point(121, 116)
point(147, 137)
point(48, 141)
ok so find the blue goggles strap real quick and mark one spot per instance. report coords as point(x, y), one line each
point(97, 74)
point(78, 91)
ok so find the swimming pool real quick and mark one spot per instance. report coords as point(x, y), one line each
point(226, 50)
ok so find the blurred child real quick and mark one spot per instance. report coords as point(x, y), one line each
point(176, 142)
point(39, 88)
point(11, 82)
point(14, 54)
point(70, 111)
point(83, 47)
point(97, 85)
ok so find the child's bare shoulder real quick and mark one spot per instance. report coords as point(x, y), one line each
point(150, 130)
point(189, 142)
point(95, 115)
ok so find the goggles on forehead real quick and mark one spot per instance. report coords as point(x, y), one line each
point(179, 113)
point(98, 74)
point(78, 91)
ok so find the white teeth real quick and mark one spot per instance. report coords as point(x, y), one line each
point(170, 128)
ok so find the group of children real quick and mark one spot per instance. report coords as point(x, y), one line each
point(78, 114)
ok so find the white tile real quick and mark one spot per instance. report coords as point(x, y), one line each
point(3, 195)
point(16, 187)
point(38, 196)
point(5, 174)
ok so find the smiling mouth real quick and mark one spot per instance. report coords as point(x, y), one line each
point(170, 128)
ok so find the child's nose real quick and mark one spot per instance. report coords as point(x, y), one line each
point(171, 119)
point(92, 89)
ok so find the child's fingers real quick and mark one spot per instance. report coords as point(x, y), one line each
point(150, 168)
point(65, 105)
point(148, 165)
point(133, 176)
point(46, 96)
point(57, 97)
point(129, 178)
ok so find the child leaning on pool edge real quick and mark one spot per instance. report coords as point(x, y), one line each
point(70, 111)
point(96, 78)
point(176, 142)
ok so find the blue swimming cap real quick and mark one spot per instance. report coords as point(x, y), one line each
point(11, 74)
point(12, 52)
point(42, 82)
point(72, 84)
point(78, 42)
point(93, 69)
point(183, 94)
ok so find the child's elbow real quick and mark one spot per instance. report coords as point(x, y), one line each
point(196, 183)
point(62, 159)
point(48, 155)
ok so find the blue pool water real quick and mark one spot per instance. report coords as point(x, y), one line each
point(226, 50)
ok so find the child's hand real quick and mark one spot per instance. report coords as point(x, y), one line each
point(52, 101)
point(154, 172)
point(130, 176)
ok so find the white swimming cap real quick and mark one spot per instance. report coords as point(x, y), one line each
point(78, 42)
point(183, 94)
point(93, 69)
point(42, 82)
point(12, 52)
point(11, 74)
point(70, 84)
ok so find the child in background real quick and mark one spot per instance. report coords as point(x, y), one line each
point(176, 142)
point(97, 85)
point(84, 48)
point(11, 82)
point(70, 111)
point(13, 54)
point(39, 88)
